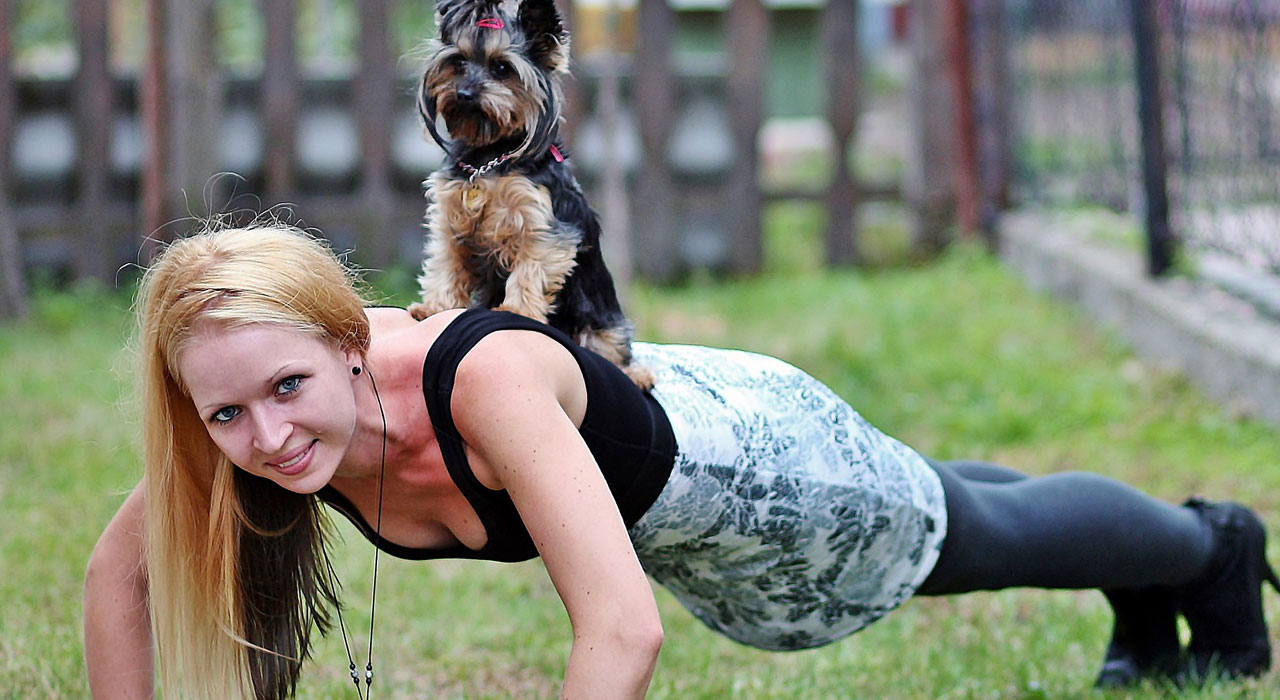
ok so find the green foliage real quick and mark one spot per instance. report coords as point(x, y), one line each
point(957, 359)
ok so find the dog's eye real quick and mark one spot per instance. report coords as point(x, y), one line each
point(501, 69)
point(457, 61)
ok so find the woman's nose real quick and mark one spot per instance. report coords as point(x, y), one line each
point(270, 431)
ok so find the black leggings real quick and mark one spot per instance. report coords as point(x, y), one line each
point(1065, 530)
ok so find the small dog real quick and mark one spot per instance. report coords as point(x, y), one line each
point(508, 225)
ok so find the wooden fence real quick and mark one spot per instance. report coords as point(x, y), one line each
point(97, 168)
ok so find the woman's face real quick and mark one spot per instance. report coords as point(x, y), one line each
point(278, 403)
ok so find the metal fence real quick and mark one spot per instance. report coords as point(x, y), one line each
point(1225, 79)
point(1076, 135)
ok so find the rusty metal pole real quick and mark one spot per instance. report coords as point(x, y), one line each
point(960, 67)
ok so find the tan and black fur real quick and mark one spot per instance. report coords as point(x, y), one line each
point(508, 225)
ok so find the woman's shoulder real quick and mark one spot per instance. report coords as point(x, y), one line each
point(394, 330)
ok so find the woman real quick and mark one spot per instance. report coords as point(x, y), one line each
point(770, 508)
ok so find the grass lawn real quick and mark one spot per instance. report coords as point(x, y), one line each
point(956, 358)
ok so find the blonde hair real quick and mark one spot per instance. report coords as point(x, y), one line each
point(224, 627)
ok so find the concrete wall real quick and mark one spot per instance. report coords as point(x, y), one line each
point(1223, 345)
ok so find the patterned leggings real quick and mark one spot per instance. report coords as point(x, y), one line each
point(1064, 530)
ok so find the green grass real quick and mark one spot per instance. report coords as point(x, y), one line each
point(956, 358)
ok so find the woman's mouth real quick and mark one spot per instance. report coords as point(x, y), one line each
point(295, 461)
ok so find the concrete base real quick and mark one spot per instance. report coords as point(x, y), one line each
point(1222, 344)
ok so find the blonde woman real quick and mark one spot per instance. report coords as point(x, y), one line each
point(767, 505)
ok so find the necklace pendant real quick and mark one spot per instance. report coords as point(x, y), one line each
point(473, 197)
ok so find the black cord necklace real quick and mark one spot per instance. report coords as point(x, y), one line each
point(373, 596)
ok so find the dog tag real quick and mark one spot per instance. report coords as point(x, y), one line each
point(473, 197)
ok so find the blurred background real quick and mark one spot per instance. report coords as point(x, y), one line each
point(862, 132)
point(819, 181)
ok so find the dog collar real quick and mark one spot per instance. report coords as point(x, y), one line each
point(473, 173)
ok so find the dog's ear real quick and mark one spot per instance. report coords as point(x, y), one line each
point(546, 41)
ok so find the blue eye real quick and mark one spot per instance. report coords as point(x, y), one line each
point(225, 415)
point(288, 385)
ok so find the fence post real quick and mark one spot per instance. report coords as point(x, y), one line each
point(1146, 41)
point(655, 109)
point(153, 107)
point(12, 289)
point(991, 108)
point(927, 183)
point(279, 99)
point(615, 211)
point(572, 109)
point(960, 63)
point(748, 37)
point(193, 108)
point(374, 107)
point(844, 64)
point(94, 256)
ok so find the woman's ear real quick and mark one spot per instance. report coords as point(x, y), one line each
point(354, 359)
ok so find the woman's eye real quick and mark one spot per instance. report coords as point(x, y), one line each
point(224, 415)
point(501, 69)
point(288, 385)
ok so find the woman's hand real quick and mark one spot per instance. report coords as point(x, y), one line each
point(509, 405)
point(117, 623)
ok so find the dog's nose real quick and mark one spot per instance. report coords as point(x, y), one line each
point(467, 94)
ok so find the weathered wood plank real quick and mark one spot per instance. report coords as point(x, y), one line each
point(373, 91)
point(12, 287)
point(92, 104)
point(655, 104)
point(960, 67)
point(279, 97)
point(747, 30)
point(194, 104)
point(927, 183)
point(844, 66)
point(573, 107)
point(991, 108)
point(153, 105)
point(7, 92)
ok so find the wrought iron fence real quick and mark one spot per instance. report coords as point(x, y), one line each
point(1076, 135)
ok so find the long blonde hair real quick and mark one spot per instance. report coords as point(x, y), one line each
point(234, 562)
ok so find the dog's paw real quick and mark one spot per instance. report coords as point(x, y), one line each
point(527, 313)
point(420, 311)
point(641, 376)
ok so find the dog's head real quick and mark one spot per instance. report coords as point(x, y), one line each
point(494, 73)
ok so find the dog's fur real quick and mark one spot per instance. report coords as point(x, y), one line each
point(518, 235)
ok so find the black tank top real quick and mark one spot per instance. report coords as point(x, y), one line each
point(626, 430)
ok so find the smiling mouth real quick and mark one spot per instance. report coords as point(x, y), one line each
point(296, 463)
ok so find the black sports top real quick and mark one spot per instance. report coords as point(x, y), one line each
point(626, 430)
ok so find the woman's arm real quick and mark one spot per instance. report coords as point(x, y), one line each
point(117, 625)
point(508, 405)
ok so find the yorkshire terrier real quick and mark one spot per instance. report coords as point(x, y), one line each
point(507, 224)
